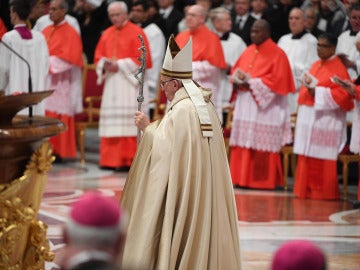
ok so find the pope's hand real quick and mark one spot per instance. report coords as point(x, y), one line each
point(141, 120)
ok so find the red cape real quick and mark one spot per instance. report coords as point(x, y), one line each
point(64, 42)
point(269, 63)
point(206, 46)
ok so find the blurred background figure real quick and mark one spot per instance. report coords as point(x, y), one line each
point(320, 132)
point(4, 14)
point(94, 233)
point(242, 20)
point(232, 45)
point(208, 57)
point(332, 16)
point(347, 5)
point(261, 120)
point(299, 255)
point(93, 20)
point(206, 4)
point(140, 15)
point(42, 22)
point(66, 62)
point(38, 10)
point(315, 4)
point(300, 48)
point(31, 45)
point(117, 60)
point(277, 15)
point(228, 4)
point(154, 15)
point(171, 16)
point(2, 28)
point(346, 48)
point(311, 20)
point(353, 88)
point(258, 7)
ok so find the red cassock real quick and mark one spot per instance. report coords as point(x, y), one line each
point(65, 43)
point(317, 178)
point(252, 167)
point(3, 29)
point(119, 44)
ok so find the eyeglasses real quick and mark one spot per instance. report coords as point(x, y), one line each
point(162, 84)
point(324, 45)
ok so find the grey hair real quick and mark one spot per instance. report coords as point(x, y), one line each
point(297, 8)
point(63, 4)
point(313, 10)
point(121, 4)
point(216, 12)
point(204, 12)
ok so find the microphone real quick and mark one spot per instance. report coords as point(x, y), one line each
point(28, 65)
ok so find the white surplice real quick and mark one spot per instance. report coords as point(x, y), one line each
point(355, 130)
point(232, 48)
point(325, 117)
point(346, 45)
point(119, 99)
point(14, 71)
point(157, 50)
point(65, 78)
point(263, 124)
point(302, 53)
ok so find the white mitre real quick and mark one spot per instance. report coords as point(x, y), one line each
point(178, 64)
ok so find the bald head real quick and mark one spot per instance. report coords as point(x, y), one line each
point(260, 31)
point(195, 17)
point(296, 21)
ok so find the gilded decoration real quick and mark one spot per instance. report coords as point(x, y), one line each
point(23, 241)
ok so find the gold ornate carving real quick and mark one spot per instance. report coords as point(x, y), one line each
point(41, 160)
point(23, 241)
point(38, 249)
point(14, 219)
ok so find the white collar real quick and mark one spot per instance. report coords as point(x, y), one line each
point(166, 12)
point(243, 17)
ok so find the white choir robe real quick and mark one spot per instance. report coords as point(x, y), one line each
point(266, 120)
point(312, 122)
point(232, 48)
point(66, 79)
point(301, 53)
point(346, 45)
point(355, 130)
point(119, 99)
point(14, 71)
point(157, 50)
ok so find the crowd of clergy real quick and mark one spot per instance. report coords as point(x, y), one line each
point(266, 62)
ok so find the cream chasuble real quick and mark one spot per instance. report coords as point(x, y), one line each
point(179, 196)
